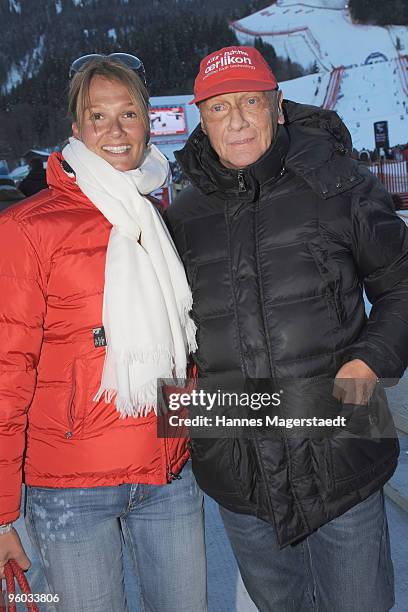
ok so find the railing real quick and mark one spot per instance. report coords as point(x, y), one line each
point(394, 176)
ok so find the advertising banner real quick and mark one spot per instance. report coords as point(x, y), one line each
point(167, 120)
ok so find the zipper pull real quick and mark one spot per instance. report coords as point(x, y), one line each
point(173, 476)
point(241, 181)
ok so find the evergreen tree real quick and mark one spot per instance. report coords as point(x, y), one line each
point(268, 52)
point(380, 12)
point(170, 37)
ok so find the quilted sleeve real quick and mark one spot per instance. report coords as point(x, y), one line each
point(380, 248)
point(22, 310)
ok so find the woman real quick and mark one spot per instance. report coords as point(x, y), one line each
point(85, 264)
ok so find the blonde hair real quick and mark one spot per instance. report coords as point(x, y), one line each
point(78, 95)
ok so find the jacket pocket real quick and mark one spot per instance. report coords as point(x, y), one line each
point(86, 373)
point(331, 277)
point(212, 467)
point(369, 439)
point(245, 468)
point(322, 463)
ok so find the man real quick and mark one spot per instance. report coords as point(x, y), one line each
point(278, 232)
point(9, 194)
point(35, 180)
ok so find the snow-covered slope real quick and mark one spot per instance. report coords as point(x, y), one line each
point(339, 4)
point(366, 94)
point(321, 32)
point(363, 69)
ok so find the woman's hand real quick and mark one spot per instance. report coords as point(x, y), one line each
point(354, 383)
point(11, 548)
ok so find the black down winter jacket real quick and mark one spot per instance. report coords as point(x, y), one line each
point(277, 256)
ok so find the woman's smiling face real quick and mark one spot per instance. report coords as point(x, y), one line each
point(112, 125)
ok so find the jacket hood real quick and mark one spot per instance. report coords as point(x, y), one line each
point(313, 143)
point(315, 117)
point(61, 178)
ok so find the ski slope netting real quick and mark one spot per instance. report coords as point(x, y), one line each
point(402, 67)
point(333, 88)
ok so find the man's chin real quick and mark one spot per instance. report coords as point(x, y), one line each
point(239, 162)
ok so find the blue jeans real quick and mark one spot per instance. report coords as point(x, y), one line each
point(78, 535)
point(345, 566)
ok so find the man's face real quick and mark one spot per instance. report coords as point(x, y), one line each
point(241, 126)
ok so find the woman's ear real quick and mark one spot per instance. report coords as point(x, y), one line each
point(75, 130)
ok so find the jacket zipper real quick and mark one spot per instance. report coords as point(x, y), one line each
point(169, 472)
point(174, 476)
point(241, 181)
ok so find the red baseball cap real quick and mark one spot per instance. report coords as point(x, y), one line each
point(230, 70)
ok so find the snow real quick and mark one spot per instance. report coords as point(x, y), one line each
point(58, 6)
point(25, 68)
point(112, 34)
point(366, 94)
point(363, 72)
point(334, 4)
point(14, 5)
point(307, 32)
point(13, 78)
point(398, 36)
point(37, 56)
point(19, 173)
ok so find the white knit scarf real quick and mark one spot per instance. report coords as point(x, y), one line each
point(146, 300)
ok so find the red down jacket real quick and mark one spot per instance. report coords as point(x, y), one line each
point(52, 267)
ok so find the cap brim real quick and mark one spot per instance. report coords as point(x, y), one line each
point(234, 86)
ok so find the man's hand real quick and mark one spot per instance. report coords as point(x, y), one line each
point(354, 383)
point(11, 548)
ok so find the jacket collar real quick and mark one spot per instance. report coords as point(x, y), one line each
point(61, 178)
point(203, 168)
point(313, 144)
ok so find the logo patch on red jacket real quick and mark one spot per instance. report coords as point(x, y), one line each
point(99, 336)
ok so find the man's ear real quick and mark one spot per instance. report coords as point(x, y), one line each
point(281, 116)
point(75, 130)
point(203, 125)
